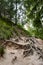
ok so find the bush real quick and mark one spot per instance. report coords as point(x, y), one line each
point(5, 30)
point(1, 51)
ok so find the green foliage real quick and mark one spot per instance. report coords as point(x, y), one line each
point(34, 12)
point(36, 32)
point(24, 10)
point(5, 30)
point(2, 51)
point(39, 33)
point(37, 23)
point(24, 31)
point(7, 9)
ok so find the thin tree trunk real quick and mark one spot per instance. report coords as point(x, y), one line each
point(16, 14)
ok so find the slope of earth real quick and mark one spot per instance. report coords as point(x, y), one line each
point(20, 49)
point(9, 29)
point(24, 51)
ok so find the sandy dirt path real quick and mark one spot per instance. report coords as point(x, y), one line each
point(15, 57)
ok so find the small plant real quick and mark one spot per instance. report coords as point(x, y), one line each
point(1, 51)
point(6, 30)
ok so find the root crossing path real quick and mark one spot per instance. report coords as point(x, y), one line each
point(24, 51)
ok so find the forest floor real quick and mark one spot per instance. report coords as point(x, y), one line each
point(24, 51)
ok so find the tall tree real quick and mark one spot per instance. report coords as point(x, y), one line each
point(16, 12)
point(7, 9)
point(34, 11)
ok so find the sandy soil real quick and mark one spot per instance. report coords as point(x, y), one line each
point(14, 56)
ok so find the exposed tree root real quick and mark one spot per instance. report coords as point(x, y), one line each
point(28, 48)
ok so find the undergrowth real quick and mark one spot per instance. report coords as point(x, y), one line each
point(5, 30)
point(8, 28)
point(2, 51)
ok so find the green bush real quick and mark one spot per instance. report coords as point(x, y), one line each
point(36, 32)
point(5, 30)
point(2, 51)
point(39, 33)
point(24, 31)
